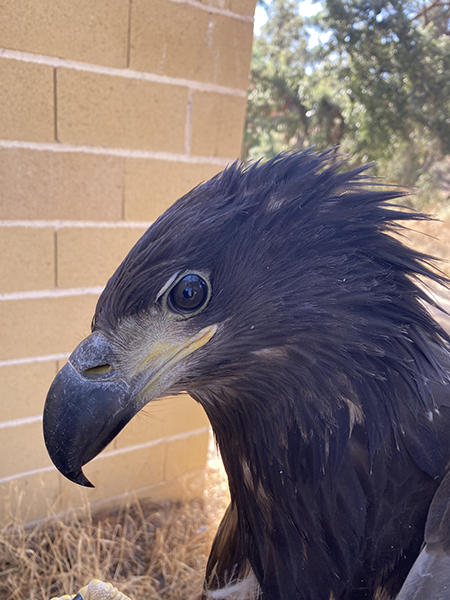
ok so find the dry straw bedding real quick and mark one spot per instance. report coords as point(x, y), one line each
point(148, 551)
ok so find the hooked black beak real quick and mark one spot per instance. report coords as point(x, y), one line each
point(87, 405)
point(100, 390)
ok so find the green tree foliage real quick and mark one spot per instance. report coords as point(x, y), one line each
point(276, 114)
point(379, 87)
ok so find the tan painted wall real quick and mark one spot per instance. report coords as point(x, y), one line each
point(110, 110)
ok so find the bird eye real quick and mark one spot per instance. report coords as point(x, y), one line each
point(188, 295)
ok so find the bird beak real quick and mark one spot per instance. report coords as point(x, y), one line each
point(95, 395)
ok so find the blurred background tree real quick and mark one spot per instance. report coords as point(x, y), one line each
point(369, 76)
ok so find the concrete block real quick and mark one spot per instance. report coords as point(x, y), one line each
point(36, 327)
point(93, 32)
point(239, 7)
point(60, 185)
point(27, 101)
point(170, 38)
point(27, 258)
point(233, 41)
point(186, 455)
point(151, 186)
point(29, 498)
point(116, 475)
point(217, 124)
point(22, 449)
point(189, 485)
point(184, 41)
point(23, 389)
point(89, 256)
point(163, 418)
point(244, 7)
point(101, 110)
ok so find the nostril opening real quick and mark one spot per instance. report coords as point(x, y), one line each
point(98, 370)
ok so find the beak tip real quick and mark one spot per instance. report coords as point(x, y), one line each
point(79, 478)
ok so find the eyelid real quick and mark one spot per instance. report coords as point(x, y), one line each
point(166, 286)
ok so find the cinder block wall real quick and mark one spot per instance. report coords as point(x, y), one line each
point(110, 110)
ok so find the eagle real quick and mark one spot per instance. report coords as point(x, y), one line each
point(281, 297)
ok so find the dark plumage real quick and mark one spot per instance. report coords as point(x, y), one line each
point(312, 351)
point(429, 578)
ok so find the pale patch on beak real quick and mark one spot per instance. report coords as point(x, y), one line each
point(163, 356)
point(100, 389)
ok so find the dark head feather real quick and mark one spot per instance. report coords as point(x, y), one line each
point(298, 244)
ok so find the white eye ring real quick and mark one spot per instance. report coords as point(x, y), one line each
point(166, 286)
